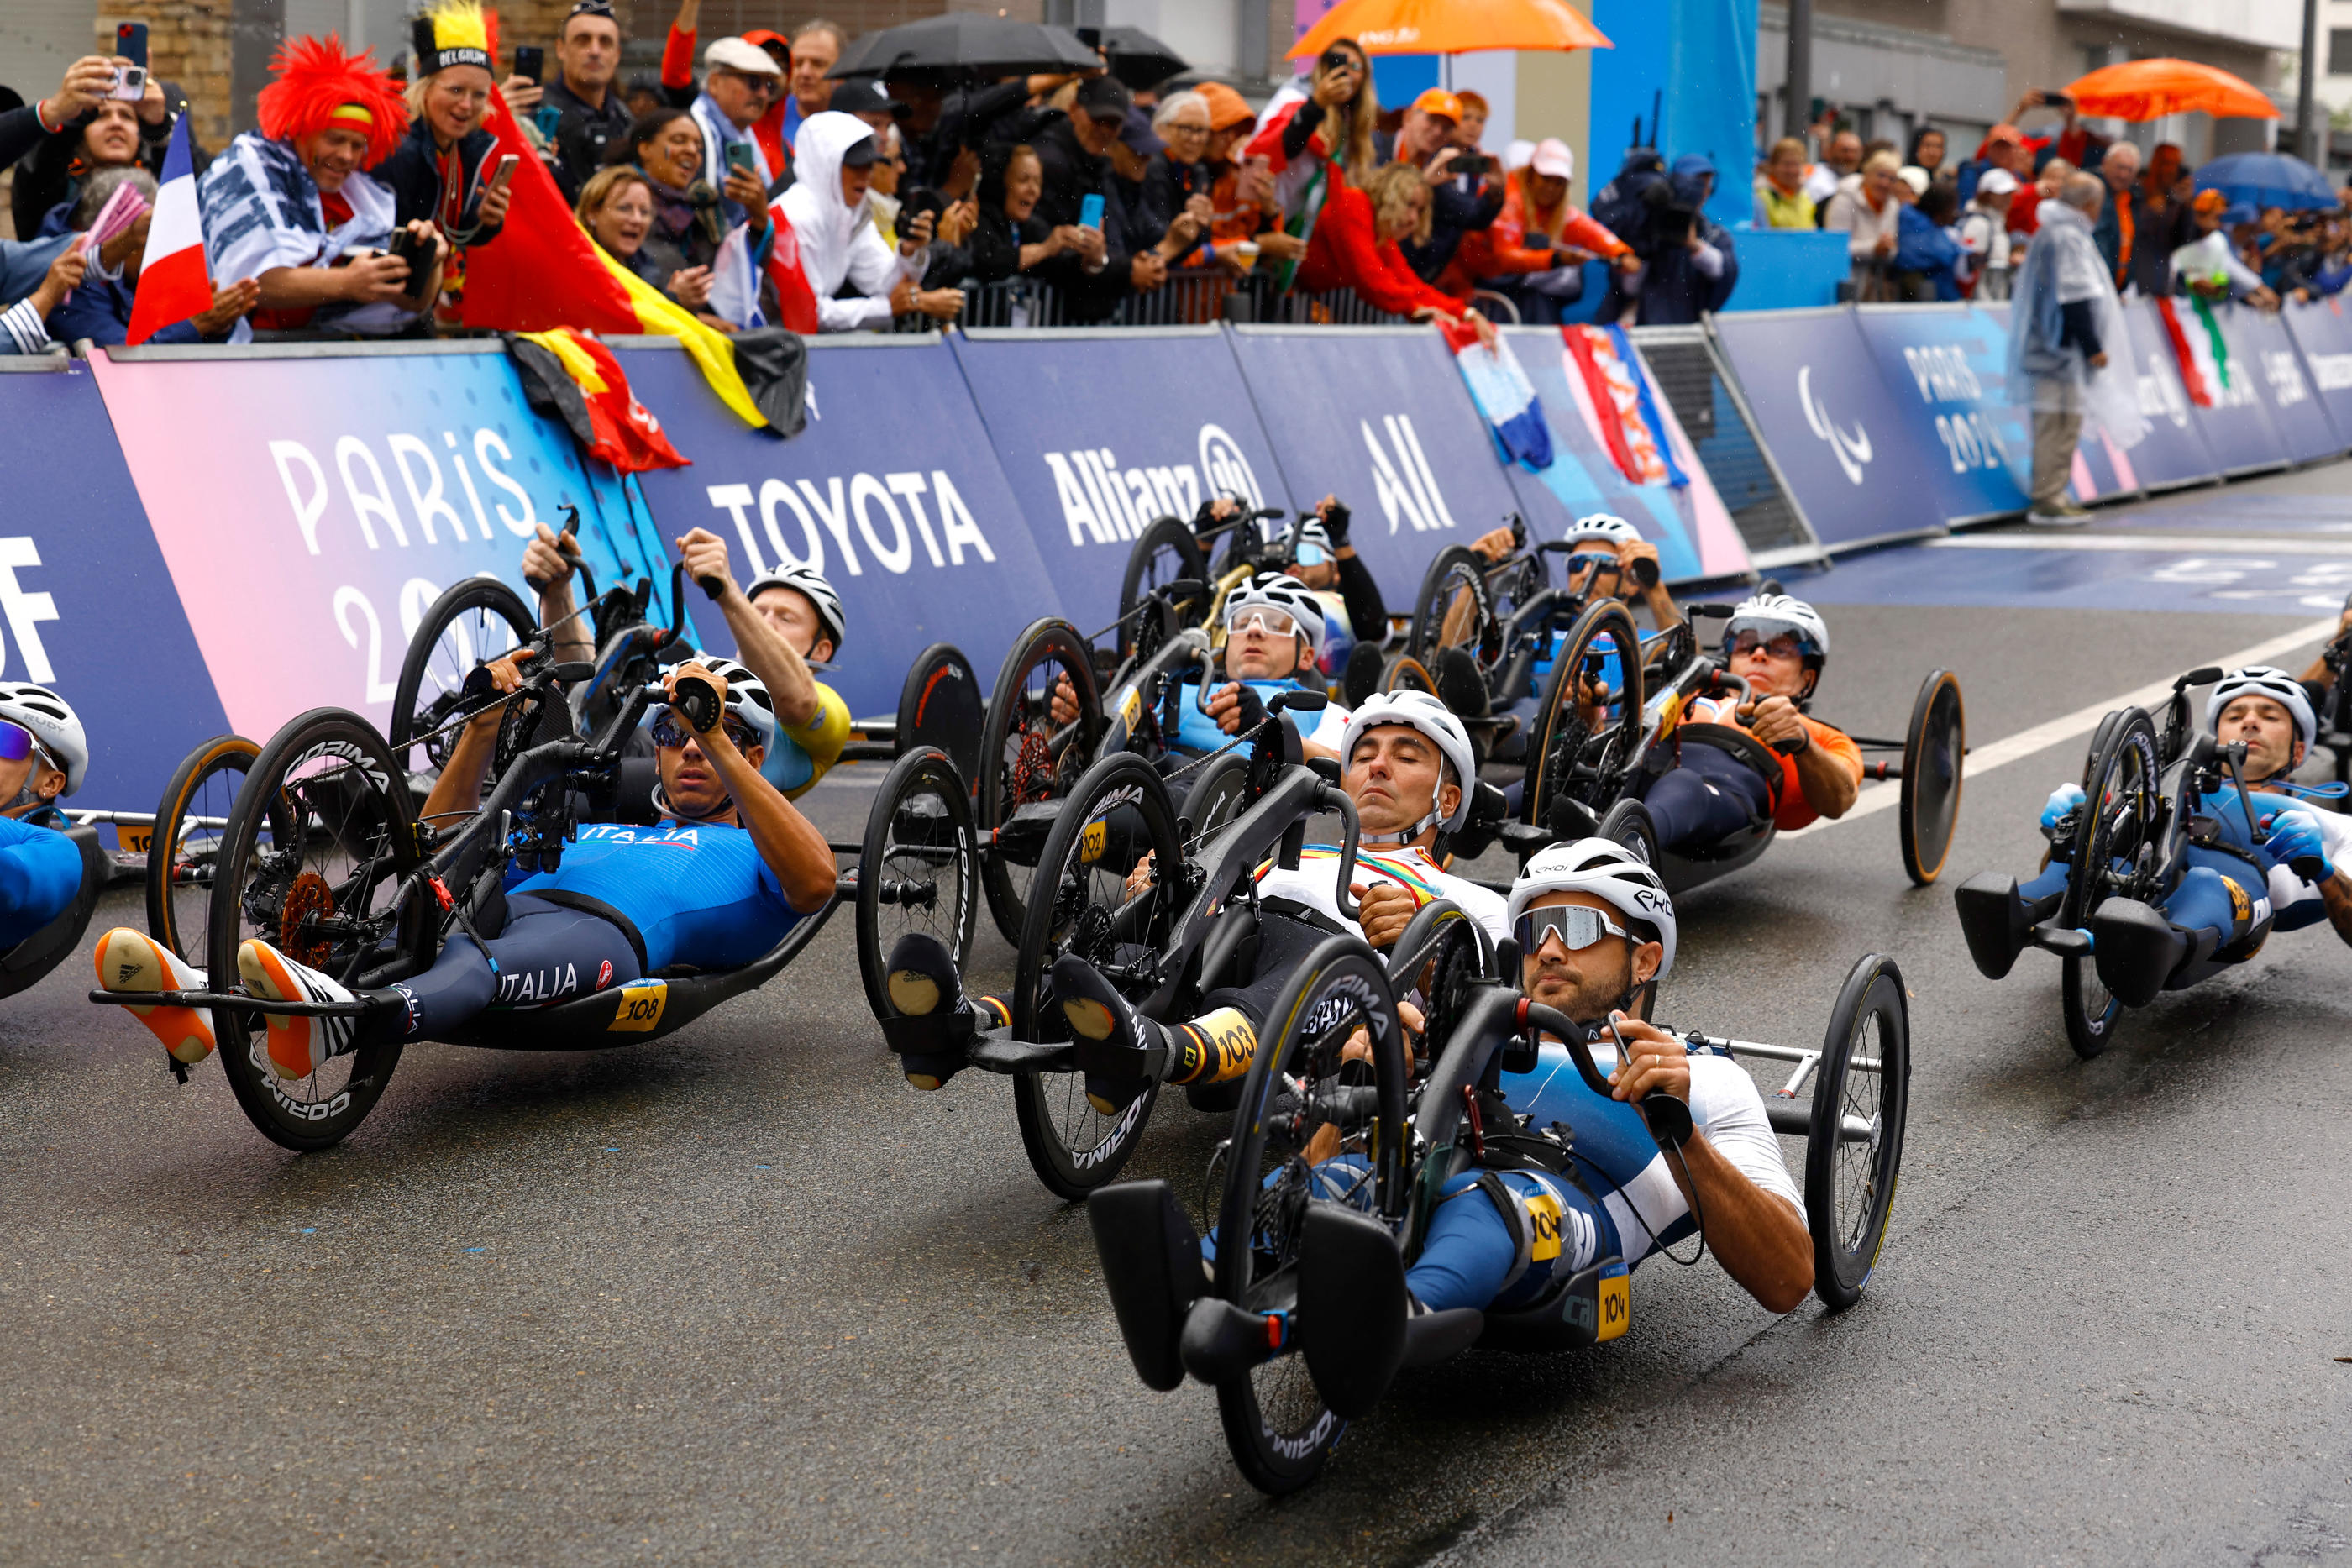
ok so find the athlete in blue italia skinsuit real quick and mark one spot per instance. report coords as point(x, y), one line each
point(731, 867)
point(2236, 891)
point(43, 755)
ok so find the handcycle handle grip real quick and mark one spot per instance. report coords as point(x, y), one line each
point(1668, 1116)
point(1331, 797)
point(570, 530)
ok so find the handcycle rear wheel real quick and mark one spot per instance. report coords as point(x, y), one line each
point(916, 869)
point(1862, 1089)
point(939, 705)
point(1406, 674)
point(2119, 786)
point(1277, 1425)
point(185, 846)
point(1165, 552)
point(473, 621)
point(1454, 608)
point(1218, 796)
point(1933, 748)
point(1599, 668)
point(1025, 759)
point(323, 831)
point(1116, 814)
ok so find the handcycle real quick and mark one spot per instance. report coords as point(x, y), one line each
point(322, 855)
point(1171, 550)
point(1609, 722)
point(1393, 1130)
point(2129, 839)
point(1163, 948)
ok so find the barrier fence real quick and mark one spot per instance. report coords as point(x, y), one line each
point(212, 540)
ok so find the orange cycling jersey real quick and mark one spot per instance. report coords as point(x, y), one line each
point(1789, 808)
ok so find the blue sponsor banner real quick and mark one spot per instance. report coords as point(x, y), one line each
point(1946, 366)
point(1378, 417)
point(1099, 433)
point(2322, 331)
point(2237, 427)
point(2287, 395)
point(2103, 470)
point(892, 491)
point(2174, 452)
point(87, 606)
point(1864, 466)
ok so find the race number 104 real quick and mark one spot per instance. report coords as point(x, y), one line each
point(1967, 442)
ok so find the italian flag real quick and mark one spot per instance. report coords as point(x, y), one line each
point(173, 283)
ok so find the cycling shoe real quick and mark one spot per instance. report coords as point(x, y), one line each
point(299, 1044)
point(131, 961)
point(2137, 949)
point(1151, 1264)
point(1121, 1052)
point(1997, 921)
point(934, 1023)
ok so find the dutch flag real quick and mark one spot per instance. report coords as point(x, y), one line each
point(173, 283)
point(1500, 388)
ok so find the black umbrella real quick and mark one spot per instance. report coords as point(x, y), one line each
point(958, 45)
point(1138, 59)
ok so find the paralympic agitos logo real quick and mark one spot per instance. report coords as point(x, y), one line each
point(1852, 449)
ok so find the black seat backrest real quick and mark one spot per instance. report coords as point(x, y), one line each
point(24, 963)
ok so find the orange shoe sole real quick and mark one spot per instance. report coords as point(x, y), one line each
point(131, 961)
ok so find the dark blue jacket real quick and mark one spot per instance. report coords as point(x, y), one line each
point(99, 309)
point(413, 173)
point(1920, 247)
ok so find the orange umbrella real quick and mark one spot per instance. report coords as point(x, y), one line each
point(2149, 90)
point(1451, 26)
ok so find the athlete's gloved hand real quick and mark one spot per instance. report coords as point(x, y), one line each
point(1249, 710)
point(1335, 515)
point(2295, 836)
point(2063, 799)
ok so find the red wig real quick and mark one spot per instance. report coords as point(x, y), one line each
point(317, 85)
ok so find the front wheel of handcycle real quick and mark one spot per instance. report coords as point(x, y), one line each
point(1591, 719)
point(472, 622)
point(1165, 552)
point(2120, 783)
point(917, 870)
point(183, 848)
point(1313, 1126)
point(1028, 762)
point(1933, 749)
point(1454, 608)
point(1115, 815)
point(316, 846)
point(1861, 1091)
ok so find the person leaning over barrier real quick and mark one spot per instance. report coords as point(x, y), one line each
point(99, 310)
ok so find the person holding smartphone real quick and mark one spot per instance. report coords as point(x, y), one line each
point(92, 123)
point(1464, 195)
point(448, 169)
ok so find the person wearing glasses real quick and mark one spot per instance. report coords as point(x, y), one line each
point(1779, 646)
point(728, 869)
point(1409, 768)
point(1353, 609)
point(739, 80)
point(1596, 934)
point(43, 755)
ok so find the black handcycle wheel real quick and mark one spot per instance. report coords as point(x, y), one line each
point(939, 705)
point(1117, 813)
point(1163, 553)
point(1028, 760)
point(1218, 795)
point(1628, 825)
point(316, 845)
point(1277, 1425)
point(472, 621)
point(1406, 674)
point(1934, 747)
point(1597, 676)
point(1862, 1089)
point(183, 848)
point(2119, 786)
point(1454, 608)
point(918, 868)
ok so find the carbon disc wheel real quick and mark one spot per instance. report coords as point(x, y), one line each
point(1934, 747)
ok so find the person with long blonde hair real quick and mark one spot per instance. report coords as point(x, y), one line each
point(1316, 140)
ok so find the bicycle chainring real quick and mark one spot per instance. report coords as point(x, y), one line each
point(309, 899)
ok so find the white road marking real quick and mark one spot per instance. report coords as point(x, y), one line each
point(2157, 544)
point(1983, 760)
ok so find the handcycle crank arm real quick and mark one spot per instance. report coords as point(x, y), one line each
point(241, 999)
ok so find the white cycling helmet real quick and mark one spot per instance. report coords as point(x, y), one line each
point(1425, 713)
point(1608, 870)
point(810, 583)
point(1279, 591)
point(1311, 532)
point(54, 727)
point(2263, 681)
point(1606, 527)
point(1769, 614)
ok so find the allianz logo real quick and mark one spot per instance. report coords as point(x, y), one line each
point(1104, 502)
point(1850, 447)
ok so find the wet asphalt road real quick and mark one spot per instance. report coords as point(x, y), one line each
point(740, 1296)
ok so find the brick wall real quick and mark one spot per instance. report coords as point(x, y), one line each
point(187, 43)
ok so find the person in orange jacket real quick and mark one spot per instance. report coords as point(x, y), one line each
point(1537, 236)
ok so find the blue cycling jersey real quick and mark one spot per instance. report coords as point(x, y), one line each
point(698, 895)
point(1197, 733)
point(40, 872)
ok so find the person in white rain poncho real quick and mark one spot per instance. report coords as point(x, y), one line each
point(2070, 355)
point(833, 158)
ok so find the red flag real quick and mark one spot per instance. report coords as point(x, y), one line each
point(795, 301)
point(542, 271)
point(627, 435)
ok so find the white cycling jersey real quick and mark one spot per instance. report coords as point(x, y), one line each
point(1316, 884)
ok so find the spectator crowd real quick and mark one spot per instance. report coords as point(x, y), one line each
point(1923, 225)
point(751, 186)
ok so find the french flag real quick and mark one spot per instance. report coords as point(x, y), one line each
point(173, 283)
point(1500, 388)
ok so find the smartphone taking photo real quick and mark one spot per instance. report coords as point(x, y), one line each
point(531, 62)
point(131, 44)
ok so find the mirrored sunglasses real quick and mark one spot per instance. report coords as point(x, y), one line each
point(1784, 645)
point(1579, 926)
point(15, 741)
point(1309, 555)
